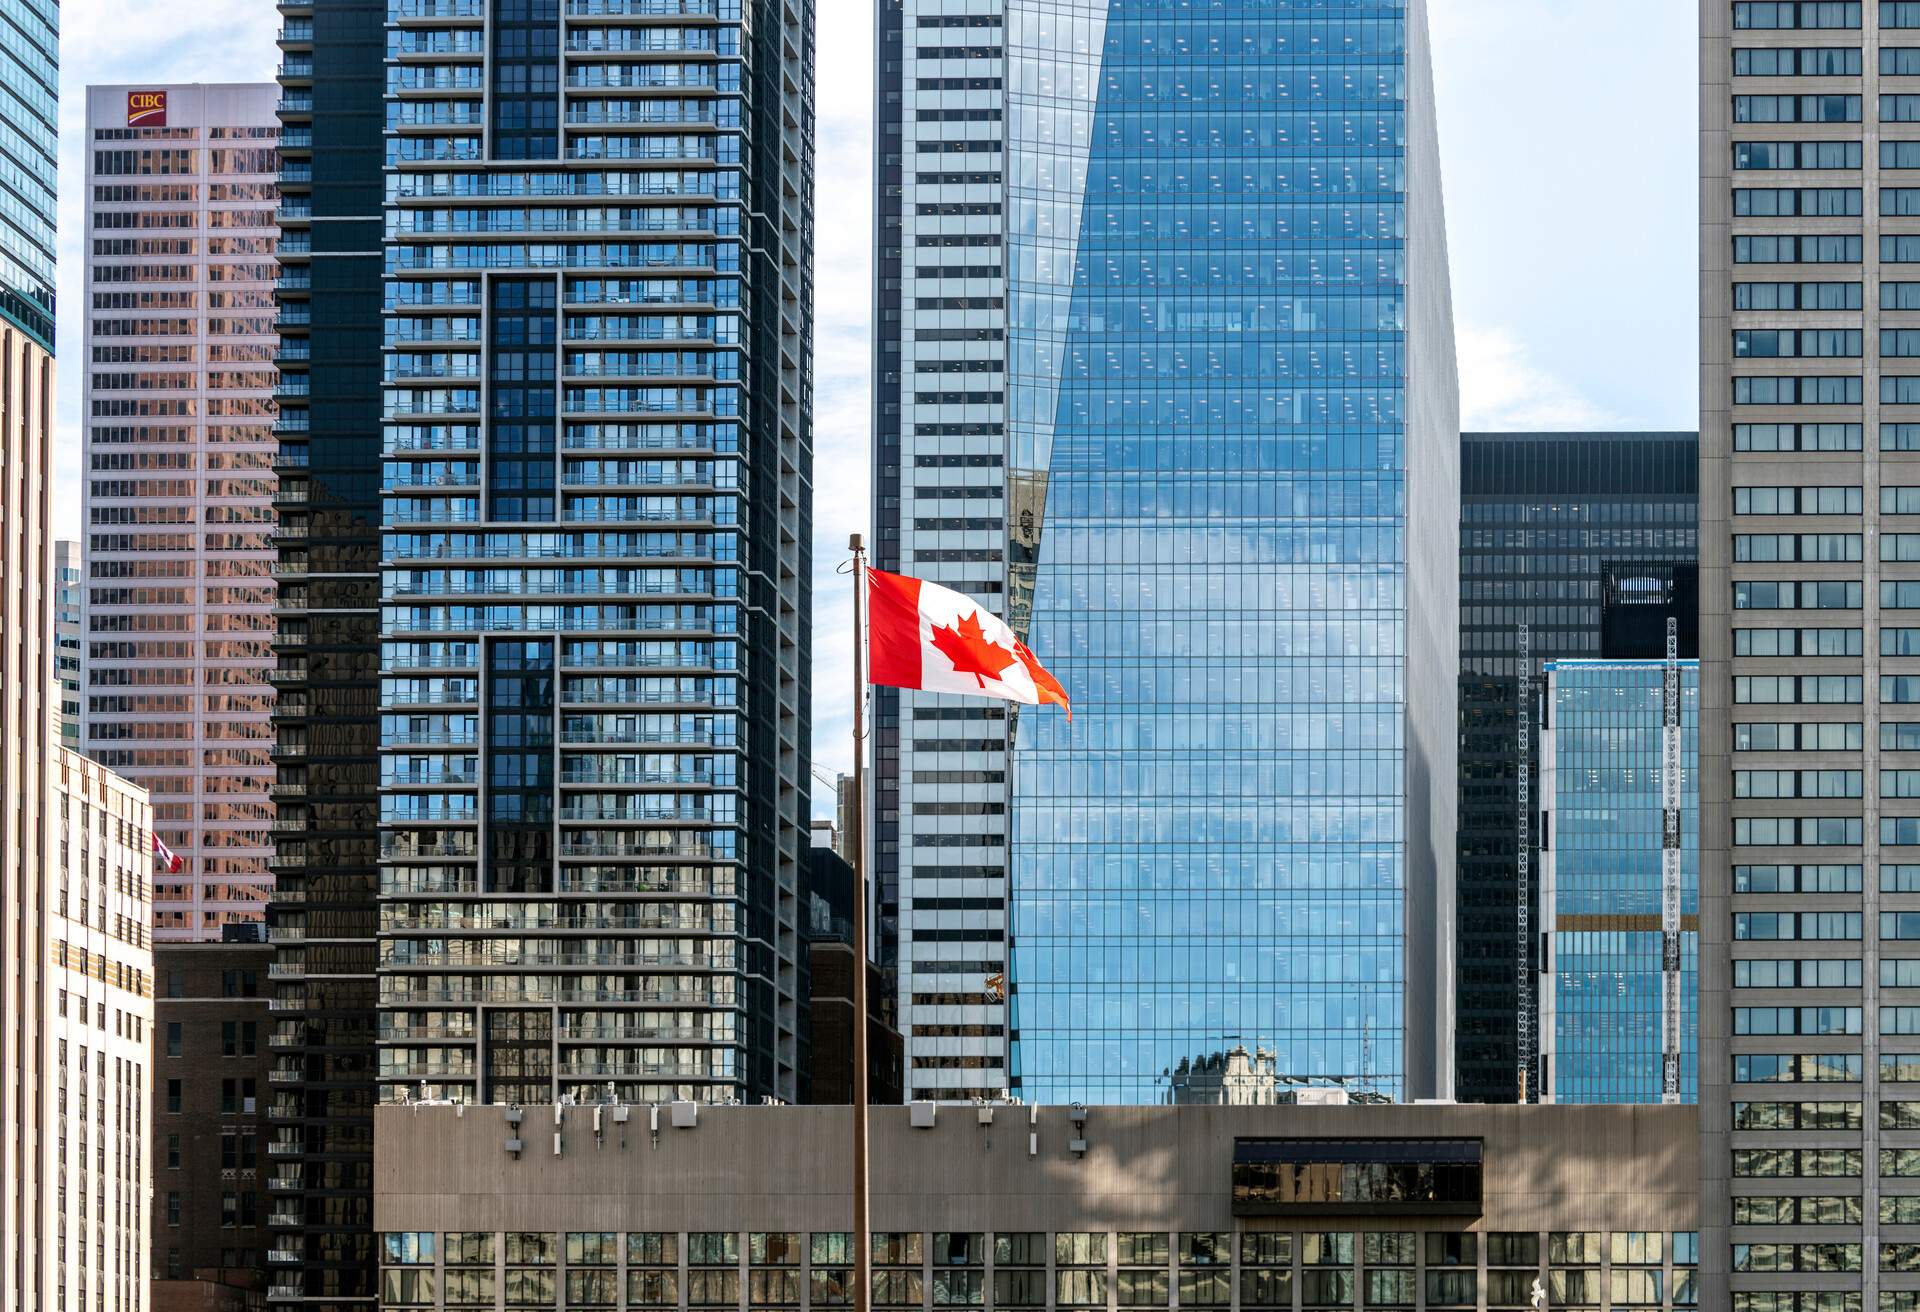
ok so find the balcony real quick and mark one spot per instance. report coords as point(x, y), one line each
point(283, 1077)
point(283, 1256)
point(282, 1184)
point(283, 1148)
point(286, 970)
point(284, 1220)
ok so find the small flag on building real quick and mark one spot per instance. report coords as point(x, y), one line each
point(168, 859)
point(921, 635)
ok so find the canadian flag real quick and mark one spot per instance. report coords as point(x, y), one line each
point(921, 635)
point(168, 858)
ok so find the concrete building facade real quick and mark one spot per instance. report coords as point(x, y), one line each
point(179, 379)
point(1810, 669)
point(1043, 1208)
point(97, 1027)
point(213, 1182)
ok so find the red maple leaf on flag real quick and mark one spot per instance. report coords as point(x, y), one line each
point(966, 645)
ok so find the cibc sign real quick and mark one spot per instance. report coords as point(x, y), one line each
point(146, 109)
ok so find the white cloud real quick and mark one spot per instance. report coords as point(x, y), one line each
point(1503, 389)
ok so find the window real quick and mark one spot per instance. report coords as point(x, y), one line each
point(1767, 390)
point(1452, 1288)
point(1452, 1249)
point(1803, 62)
point(173, 1096)
point(1784, 15)
point(1788, 248)
point(1080, 1249)
point(174, 1039)
point(1796, 437)
point(1798, 155)
point(1802, 109)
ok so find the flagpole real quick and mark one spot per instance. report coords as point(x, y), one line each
point(857, 845)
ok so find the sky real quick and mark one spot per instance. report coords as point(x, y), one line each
point(1567, 138)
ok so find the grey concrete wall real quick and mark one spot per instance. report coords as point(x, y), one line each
point(1433, 592)
point(1716, 644)
point(760, 1168)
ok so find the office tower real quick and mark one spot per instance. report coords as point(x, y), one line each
point(27, 705)
point(96, 1021)
point(212, 1055)
point(179, 447)
point(69, 624)
point(1619, 871)
point(1168, 379)
point(1810, 743)
point(1590, 541)
point(594, 578)
point(324, 916)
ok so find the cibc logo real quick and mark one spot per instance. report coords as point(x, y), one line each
point(146, 109)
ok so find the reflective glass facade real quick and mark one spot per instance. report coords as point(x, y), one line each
point(1619, 990)
point(1546, 521)
point(29, 164)
point(323, 918)
point(179, 446)
point(594, 657)
point(1176, 387)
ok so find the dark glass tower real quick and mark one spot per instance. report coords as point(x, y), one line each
point(323, 918)
point(1577, 536)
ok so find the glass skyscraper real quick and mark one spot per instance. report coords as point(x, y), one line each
point(1172, 371)
point(323, 918)
point(29, 120)
point(594, 669)
point(1619, 866)
point(1589, 540)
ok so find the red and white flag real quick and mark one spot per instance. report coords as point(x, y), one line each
point(921, 635)
point(168, 858)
